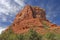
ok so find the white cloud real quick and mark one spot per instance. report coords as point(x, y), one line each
point(4, 19)
point(8, 8)
point(2, 29)
point(20, 2)
point(51, 14)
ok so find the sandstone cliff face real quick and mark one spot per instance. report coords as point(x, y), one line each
point(31, 17)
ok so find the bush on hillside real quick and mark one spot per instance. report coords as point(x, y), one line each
point(33, 35)
point(50, 36)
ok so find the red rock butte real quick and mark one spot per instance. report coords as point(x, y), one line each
point(31, 17)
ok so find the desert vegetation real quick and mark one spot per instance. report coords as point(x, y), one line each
point(31, 35)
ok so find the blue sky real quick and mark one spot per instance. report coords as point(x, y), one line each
point(9, 8)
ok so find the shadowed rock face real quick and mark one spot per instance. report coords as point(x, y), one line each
point(31, 12)
point(30, 17)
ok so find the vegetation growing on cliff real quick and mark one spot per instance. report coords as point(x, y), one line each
point(31, 35)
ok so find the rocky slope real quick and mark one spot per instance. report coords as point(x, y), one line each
point(32, 17)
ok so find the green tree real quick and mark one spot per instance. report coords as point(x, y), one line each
point(12, 37)
point(50, 36)
point(33, 35)
point(20, 37)
point(7, 35)
point(57, 37)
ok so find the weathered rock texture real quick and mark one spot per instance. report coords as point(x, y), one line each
point(31, 17)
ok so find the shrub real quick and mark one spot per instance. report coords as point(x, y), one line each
point(45, 25)
point(57, 37)
point(50, 36)
point(33, 35)
point(20, 37)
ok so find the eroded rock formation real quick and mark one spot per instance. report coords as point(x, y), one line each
point(31, 17)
